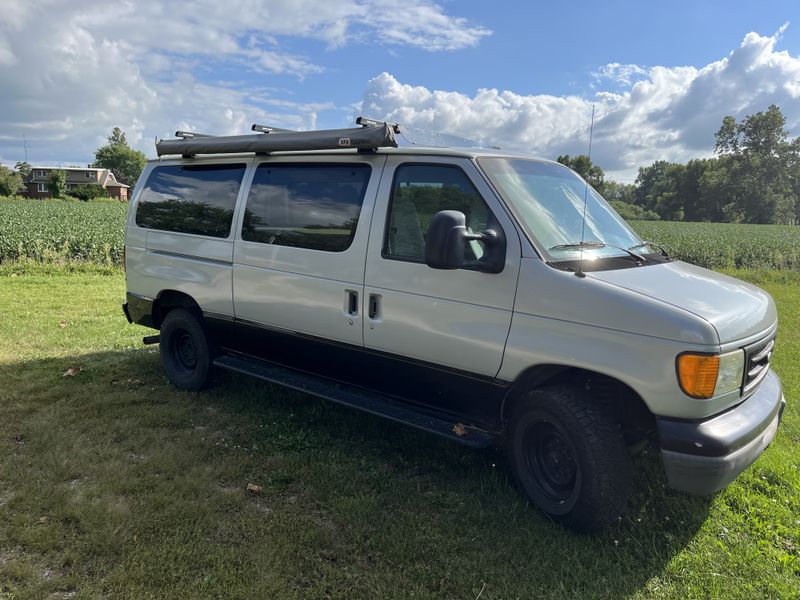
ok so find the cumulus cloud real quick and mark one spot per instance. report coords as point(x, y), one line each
point(619, 73)
point(664, 113)
point(70, 70)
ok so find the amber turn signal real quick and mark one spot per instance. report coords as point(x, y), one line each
point(697, 374)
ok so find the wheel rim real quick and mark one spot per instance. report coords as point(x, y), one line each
point(553, 465)
point(183, 350)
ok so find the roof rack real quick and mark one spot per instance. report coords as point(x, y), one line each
point(269, 129)
point(188, 135)
point(371, 135)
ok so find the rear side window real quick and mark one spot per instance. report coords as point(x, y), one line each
point(196, 199)
point(418, 193)
point(313, 206)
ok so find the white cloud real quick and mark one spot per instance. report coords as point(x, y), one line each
point(72, 70)
point(668, 113)
point(619, 73)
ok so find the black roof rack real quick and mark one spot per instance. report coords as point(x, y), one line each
point(371, 135)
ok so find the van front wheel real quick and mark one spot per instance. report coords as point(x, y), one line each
point(569, 457)
point(185, 351)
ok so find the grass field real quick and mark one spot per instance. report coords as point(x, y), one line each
point(115, 485)
point(55, 231)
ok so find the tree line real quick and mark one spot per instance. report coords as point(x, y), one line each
point(754, 178)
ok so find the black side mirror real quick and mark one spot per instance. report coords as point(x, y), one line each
point(444, 244)
point(447, 236)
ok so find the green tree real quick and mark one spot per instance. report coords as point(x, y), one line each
point(760, 162)
point(10, 182)
point(57, 183)
point(117, 155)
point(23, 168)
point(584, 167)
point(657, 189)
point(619, 192)
point(117, 137)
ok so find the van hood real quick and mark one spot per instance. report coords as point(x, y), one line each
point(736, 309)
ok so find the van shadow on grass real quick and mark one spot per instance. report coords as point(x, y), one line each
point(115, 482)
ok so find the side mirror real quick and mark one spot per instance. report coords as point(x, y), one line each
point(447, 236)
point(444, 244)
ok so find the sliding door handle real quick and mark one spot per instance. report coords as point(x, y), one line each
point(351, 298)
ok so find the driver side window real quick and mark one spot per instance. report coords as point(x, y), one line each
point(418, 193)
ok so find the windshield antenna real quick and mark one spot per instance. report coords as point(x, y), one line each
point(580, 272)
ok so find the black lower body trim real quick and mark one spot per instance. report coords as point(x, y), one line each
point(469, 398)
point(354, 397)
point(139, 309)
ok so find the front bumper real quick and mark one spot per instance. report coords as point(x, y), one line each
point(702, 457)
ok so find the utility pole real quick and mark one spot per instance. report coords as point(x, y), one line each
point(25, 146)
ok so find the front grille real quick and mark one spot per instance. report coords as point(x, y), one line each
point(756, 363)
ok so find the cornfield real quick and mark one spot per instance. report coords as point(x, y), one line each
point(53, 231)
point(726, 245)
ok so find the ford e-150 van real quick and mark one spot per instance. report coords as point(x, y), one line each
point(485, 296)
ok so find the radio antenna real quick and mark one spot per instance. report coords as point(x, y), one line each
point(580, 272)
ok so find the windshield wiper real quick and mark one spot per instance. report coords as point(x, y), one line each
point(592, 244)
point(649, 243)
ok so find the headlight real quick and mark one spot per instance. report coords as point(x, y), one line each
point(731, 371)
point(708, 375)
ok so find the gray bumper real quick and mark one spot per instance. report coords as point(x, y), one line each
point(702, 457)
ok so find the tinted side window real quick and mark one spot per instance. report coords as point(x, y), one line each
point(312, 206)
point(195, 199)
point(418, 193)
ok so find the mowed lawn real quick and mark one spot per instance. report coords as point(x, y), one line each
point(113, 484)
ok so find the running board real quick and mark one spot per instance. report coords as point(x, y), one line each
point(354, 397)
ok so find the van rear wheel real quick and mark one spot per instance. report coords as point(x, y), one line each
point(569, 457)
point(185, 351)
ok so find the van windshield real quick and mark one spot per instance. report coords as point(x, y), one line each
point(548, 199)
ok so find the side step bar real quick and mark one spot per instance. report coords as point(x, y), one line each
point(354, 397)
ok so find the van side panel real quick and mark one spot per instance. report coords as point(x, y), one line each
point(197, 265)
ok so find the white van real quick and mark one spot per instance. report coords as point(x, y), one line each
point(484, 296)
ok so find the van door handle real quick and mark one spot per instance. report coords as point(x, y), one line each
point(352, 303)
point(374, 310)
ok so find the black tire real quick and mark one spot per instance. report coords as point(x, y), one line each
point(185, 350)
point(569, 457)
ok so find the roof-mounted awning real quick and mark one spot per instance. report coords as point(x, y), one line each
point(372, 134)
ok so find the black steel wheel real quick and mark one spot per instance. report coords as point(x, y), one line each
point(569, 457)
point(185, 350)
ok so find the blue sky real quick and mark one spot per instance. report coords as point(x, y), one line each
point(518, 75)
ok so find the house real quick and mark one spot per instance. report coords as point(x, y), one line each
point(36, 184)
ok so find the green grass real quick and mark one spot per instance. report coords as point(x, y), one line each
point(113, 484)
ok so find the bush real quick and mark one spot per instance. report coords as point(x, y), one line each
point(88, 191)
point(10, 182)
point(632, 212)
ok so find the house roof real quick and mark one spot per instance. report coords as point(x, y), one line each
point(38, 168)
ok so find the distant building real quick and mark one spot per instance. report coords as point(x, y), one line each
point(37, 183)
